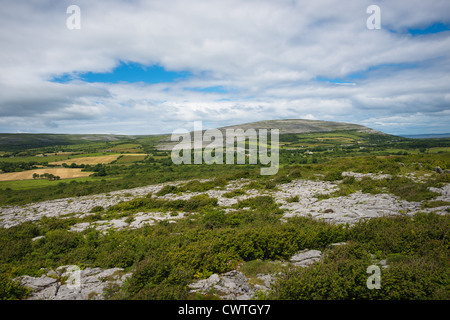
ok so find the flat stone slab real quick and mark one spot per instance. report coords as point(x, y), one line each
point(91, 285)
point(306, 257)
point(232, 285)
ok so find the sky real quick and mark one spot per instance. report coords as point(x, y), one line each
point(156, 66)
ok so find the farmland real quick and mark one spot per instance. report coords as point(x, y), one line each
point(63, 173)
point(88, 160)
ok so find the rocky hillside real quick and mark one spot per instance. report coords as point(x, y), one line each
point(298, 197)
point(286, 126)
point(302, 126)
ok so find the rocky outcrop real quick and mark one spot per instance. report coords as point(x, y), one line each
point(232, 285)
point(345, 209)
point(57, 285)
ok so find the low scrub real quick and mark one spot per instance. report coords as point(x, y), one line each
point(193, 203)
point(416, 250)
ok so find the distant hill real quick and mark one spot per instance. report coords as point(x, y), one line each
point(20, 141)
point(427, 136)
point(292, 126)
point(302, 126)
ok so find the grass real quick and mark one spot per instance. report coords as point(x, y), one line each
point(251, 269)
point(63, 173)
point(42, 183)
point(131, 158)
point(434, 204)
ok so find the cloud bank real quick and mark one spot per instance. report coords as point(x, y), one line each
point(239, 61)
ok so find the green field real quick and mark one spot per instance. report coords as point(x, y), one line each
point(34, 184)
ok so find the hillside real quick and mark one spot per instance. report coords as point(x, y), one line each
point(302, 126)
point(289, 126)
point(21, 141)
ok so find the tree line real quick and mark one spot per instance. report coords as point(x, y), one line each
point(46, 175)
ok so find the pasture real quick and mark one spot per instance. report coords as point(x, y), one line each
point(63, 173)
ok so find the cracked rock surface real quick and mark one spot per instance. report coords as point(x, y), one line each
point(91, 284)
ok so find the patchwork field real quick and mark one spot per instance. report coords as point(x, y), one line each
point(131, 158)
point(63, 173)
point(89, 160)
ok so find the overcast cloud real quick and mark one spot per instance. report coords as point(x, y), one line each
point(246, 60)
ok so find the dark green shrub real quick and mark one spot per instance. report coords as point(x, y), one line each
point(295, 174)
point(201, 200)
point(416, 278)
point(158, 279)
point(410, 190)
point(342, 275)
point(333, 176)
point(58, 242)
point(234, 193)
point(270, 184)
point(256, 202)
point(12, 290)
point(167, 189)
point(282, 179)
point(213, 219)
point(97, 209)
point(293, 199)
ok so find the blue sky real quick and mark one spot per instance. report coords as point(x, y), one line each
point(432, 28)
point(140, 67)
point(130, 72)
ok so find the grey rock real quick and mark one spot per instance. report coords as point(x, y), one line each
point(93, 282)
point(306, 257)
point(346, 209)
point(38, 283)
point(52, 273)
point(337, 244)
point(232, 285)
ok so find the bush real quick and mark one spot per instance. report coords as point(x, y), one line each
point(12, 290)
point(234, 193)
point(410, 190)
point(157, 278)
point(293, 199)
point(213, 219)
point(201, 200)
point(166, 190)
point(416, 252)
point(295, 174)
point(342, 275)
point(333, 176)
point(97, 209)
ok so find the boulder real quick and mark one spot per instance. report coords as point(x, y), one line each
point(306, 257)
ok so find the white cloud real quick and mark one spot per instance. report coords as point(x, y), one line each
point(268, 54)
